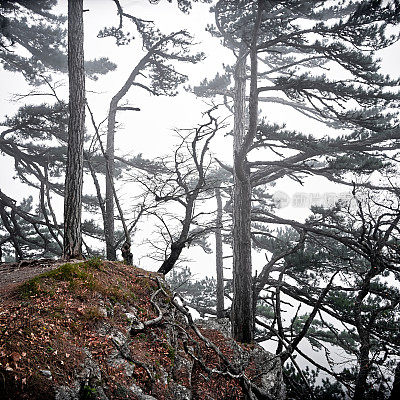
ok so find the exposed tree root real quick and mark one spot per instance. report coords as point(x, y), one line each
point(141, 326)
point(253, 391)
point(125, 354)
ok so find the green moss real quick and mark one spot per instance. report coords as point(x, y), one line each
point(94, 263)
point(66, 272)
point(171, 353)
point(92, 284)
point(88, 393)
point(30, 288)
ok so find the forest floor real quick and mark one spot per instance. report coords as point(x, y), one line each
point(58, 321)
point(11, 274)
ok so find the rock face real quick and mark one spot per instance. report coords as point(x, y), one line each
point(102, 330)
point(265, 367)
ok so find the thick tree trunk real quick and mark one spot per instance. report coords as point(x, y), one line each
point(364, 335)
point(109, 227)
point(219, 257)
point(169, 263)
point(242, 306)
point(76, 127)
point(361, 381)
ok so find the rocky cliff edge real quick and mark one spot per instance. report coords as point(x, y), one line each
point(104, 330)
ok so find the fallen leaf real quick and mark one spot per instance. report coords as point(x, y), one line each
point(15, 356)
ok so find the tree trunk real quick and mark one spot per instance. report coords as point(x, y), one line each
point(364, 335)
point(361, 381)
point(395, 393)
point(242, 307)
point(109, 227)
point(178, 245)
point(76, 127)
point(218, 257)
point(168, 264)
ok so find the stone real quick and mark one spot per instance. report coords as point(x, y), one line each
point(139, 393)
point(268, 368)
point(116, 360)
point(47, 374)
point(180, 392)
point(103, 312)
point(88, 379)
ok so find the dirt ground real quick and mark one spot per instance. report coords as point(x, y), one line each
point(11, 274)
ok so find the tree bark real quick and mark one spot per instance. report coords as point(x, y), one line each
point(242, 307)
point(76, 127)
point(395, 393)
point(364, 335)
point(170, 261)
point(109, 227)
point(361, 381)
point(219, 257)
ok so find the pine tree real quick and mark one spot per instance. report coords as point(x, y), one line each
point(160, 53)
point(289, 44)
point(36, 137)
point(33, 26)
point(76, 128)
point(344, 271)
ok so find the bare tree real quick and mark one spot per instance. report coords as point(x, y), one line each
point(186, 181)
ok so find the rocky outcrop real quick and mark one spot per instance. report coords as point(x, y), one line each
point(107, 331)
point(265, 366)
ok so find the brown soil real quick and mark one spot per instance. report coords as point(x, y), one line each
point(11, 274)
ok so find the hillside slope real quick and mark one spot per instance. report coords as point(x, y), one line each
point(103, 330)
